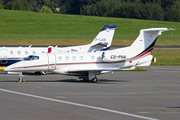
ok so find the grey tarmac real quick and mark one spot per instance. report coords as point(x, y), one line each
point(126, 95)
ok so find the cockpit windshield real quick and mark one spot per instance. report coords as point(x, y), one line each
point(31, 57)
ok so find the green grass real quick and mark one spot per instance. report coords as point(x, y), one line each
point(25, 28)
point(166, 56)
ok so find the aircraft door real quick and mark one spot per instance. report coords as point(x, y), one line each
point(3, 53)
point(3, 57)
point(51, 61)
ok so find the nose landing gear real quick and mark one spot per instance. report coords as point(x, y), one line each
point(20, 79)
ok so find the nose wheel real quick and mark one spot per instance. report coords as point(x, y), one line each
point(20, 79)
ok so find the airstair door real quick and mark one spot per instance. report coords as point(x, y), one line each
point(51, 61)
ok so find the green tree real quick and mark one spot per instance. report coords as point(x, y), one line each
point(1, 5)
point(99, 8)
point(24, 5)
point(153, 12)
point(45, 9)
point(173, 13)
point(17, 5)
point(148, 11)
point(10, 6)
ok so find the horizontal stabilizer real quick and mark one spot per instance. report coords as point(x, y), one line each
point(100, 44)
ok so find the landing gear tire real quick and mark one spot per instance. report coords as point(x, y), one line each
point(20, 79)
point(94, 80)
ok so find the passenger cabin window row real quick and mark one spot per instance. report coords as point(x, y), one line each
point(66, 58)
point(26, 52)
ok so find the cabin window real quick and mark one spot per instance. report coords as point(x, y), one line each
point(92, 57)
point(26, 52)
point(81, 57)
point(74, 58)
point(60, 58)
point(11, 52)
point(42, 51)
point(33, 52)
point(19, 52)
point(67, 58)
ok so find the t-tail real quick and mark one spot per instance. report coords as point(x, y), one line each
point(139, 53)
point(104, 38)
point(144, 44)
point(146, 40)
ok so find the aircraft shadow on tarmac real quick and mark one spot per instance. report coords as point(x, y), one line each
point(100, 81)
point(174, 107)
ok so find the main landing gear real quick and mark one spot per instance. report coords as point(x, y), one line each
point(93, 80)
point(89, 78)
point(92, 77)
point(20, 79)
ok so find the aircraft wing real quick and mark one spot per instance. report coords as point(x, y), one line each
point(99, 69)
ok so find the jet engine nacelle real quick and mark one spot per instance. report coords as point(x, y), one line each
point(145, 61)
point(113, 56)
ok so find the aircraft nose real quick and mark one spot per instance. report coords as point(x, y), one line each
point(8, 68)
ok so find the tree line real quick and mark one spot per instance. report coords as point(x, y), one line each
point(162, 10)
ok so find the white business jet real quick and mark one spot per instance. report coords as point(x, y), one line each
point(87, 65)
point(102, 42)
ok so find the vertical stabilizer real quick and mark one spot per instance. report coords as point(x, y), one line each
point(146, 39)
point(104, 38)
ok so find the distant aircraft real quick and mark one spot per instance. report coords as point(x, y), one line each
point(102, 42)
point(87, 65)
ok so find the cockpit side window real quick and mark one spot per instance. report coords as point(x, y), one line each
point(35, 58)
point(31, 57)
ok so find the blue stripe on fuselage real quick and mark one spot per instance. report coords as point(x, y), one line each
point(8, 62)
